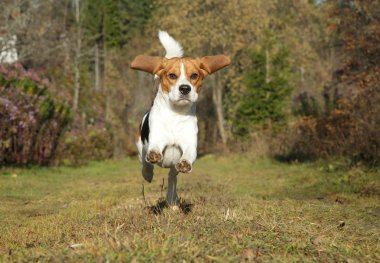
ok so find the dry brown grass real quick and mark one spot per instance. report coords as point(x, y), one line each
point(237, 209)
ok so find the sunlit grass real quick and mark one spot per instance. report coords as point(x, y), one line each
point(240, 209)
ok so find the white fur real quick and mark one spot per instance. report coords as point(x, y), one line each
point(173, 125)
point(172, 47)
point(173, 133)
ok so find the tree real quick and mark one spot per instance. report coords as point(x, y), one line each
point(110, 25)
point(78, 51)
point(214, 27)
point(265, 97)
point(40, 30)
point(309, 53)
point(233, 27)
point(350, 124)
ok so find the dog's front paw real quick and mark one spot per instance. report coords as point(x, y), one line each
point(183, 166)
point(153, 156)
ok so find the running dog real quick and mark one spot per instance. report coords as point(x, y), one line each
point(168, 131)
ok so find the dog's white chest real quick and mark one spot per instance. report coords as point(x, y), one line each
point(171, 156)
point(179, 129)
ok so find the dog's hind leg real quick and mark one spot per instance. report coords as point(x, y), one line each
point(171, 196)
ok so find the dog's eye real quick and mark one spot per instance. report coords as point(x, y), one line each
point(172, 76)
point(194, 76)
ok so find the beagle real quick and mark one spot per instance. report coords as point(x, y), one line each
point(168, 131)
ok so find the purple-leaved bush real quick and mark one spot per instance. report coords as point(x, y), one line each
point(33, 116)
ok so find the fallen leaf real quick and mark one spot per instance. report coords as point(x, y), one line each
point(248, 254)
point(317, 240)
point(76, 245)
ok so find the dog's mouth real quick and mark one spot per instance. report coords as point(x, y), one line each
point(183, 101)
point(184, 98)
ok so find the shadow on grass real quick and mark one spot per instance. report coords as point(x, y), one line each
point(184, 206)
point(293, 156)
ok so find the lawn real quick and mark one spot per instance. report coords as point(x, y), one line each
point(233, 209)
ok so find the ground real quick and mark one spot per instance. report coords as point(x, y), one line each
point(233, 208)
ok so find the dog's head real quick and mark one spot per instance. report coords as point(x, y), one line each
point(181, 78)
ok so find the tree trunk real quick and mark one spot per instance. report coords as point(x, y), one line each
point(107, 91)
point(77, 57)
point(105, 76)
point(97, 69)
point(66, 45)
point(217, 97)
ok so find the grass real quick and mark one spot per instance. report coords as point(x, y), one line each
point(238, 209)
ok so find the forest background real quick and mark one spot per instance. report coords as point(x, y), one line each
point(303, 83)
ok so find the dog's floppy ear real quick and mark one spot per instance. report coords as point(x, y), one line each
point(210, 64)
point(150, 64)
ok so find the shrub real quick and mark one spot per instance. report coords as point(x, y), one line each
point(82, 145)
point(350, 129)
point(33, 116)
point(350, 125)
point(305, 104)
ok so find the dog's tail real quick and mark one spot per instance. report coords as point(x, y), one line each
point(172, 47)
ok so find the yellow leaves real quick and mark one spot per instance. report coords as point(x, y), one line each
point(214, 26)
point(332, 28)
point(6, 143)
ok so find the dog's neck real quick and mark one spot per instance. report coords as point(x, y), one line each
point(162, 100)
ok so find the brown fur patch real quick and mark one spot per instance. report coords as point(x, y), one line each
point(192, 66)
point(173, 66)
point(170, 66)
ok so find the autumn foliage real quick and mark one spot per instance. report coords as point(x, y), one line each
point(324, 54)
point(349, 125)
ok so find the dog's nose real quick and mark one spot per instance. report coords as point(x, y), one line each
point(184, 89)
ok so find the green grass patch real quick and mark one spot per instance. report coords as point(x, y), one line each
point(240, 209)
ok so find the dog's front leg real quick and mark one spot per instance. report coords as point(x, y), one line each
point(157, 143)
point(185, 164)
